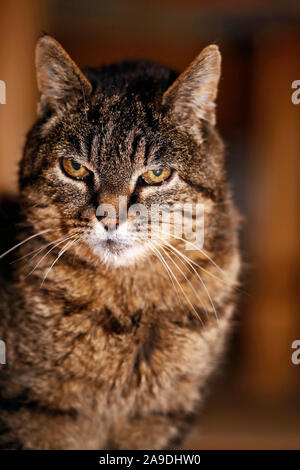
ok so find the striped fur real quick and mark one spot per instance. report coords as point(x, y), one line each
point(101, 356)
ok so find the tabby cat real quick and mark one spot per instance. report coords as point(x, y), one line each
point(111, 336)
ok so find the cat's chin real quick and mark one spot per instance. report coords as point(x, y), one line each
point(118, 254)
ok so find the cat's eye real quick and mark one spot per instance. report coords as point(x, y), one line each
point(156, 176)
point(74, 169)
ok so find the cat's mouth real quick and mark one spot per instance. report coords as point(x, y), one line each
point(117, 251)
point(116, 247)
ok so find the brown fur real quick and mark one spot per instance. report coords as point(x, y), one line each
point(102, 356)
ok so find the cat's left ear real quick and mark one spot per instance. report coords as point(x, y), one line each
point(192, 96)
point(61, 83)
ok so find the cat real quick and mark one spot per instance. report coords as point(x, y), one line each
point(111, 337)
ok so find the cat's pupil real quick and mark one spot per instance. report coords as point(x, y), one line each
point(157, 172)
point(76, 166)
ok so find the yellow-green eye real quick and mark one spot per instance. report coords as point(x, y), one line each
point(156, 176)
point(74, 169)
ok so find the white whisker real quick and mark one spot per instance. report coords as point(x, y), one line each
point(197, 249)
point(223, 281)
point(188, 281)
point(182, 290)
point(166, 266)
point(60, 241)
point(62, 251)
point(24, 241)
point(197, 274)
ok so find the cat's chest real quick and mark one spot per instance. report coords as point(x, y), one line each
point(147, 352)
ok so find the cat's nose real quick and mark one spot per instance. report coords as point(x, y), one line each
point(109, 223)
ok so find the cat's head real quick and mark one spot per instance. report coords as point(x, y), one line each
point(131, 132)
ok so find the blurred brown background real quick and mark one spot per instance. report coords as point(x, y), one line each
point(255, 398)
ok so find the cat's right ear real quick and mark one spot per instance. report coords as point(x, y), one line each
point(60, 82)
point(191, 98)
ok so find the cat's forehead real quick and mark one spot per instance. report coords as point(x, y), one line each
point(126, 109)
point(118, 130)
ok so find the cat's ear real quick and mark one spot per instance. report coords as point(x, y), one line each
point(60, 82)
point(192, 96)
